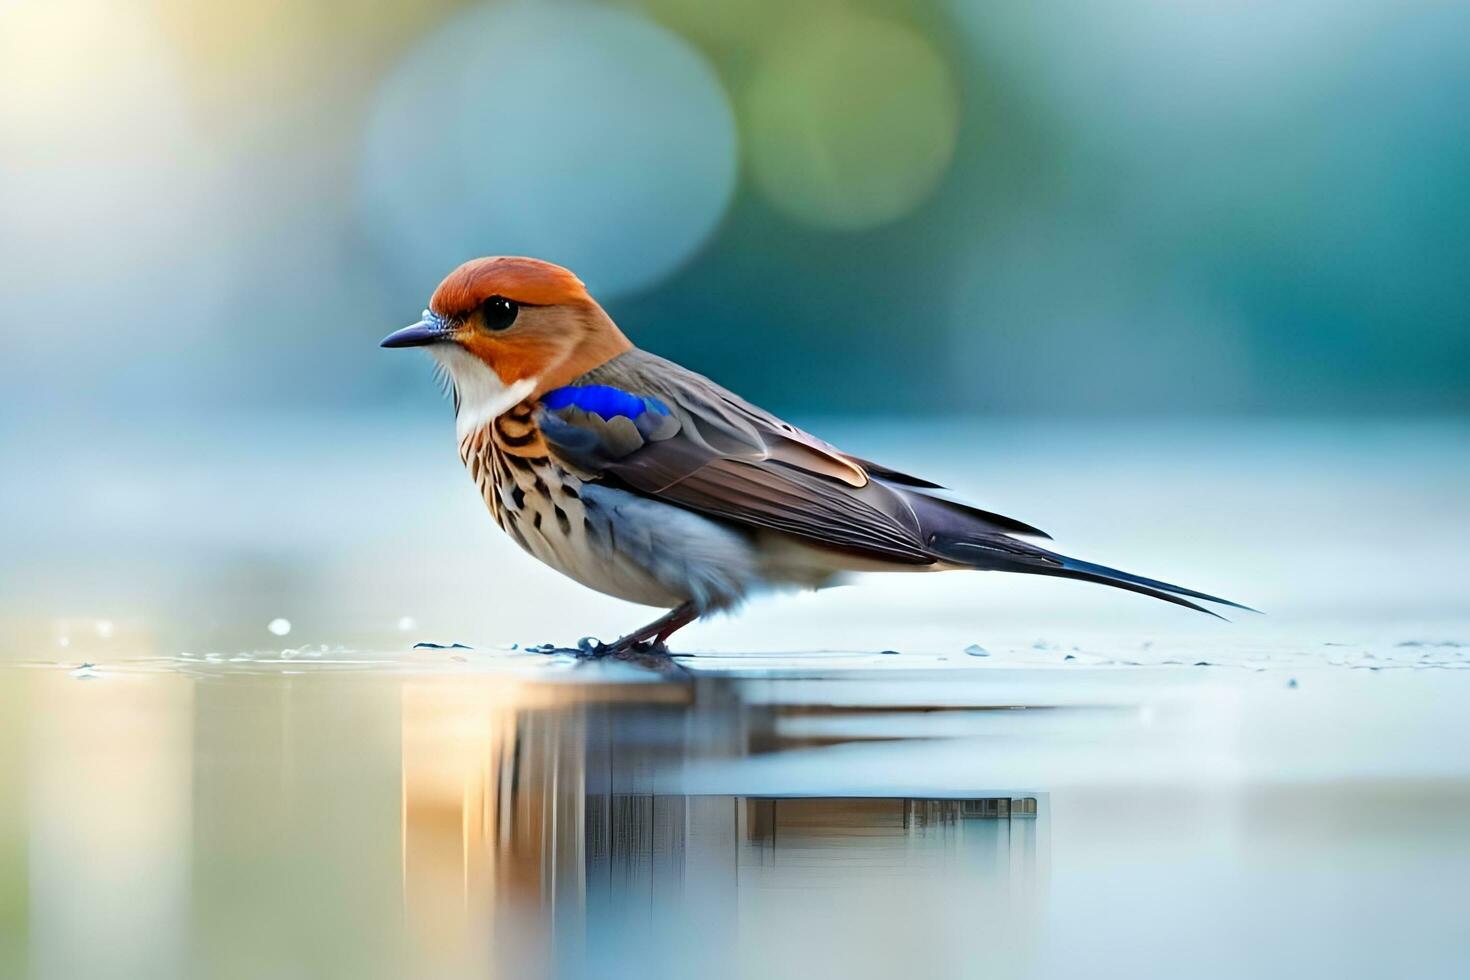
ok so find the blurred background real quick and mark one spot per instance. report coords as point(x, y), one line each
point(1134, 206)
point(1066, 233)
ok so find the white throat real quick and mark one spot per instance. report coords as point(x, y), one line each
point(483, 397)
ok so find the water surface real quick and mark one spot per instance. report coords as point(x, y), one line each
point(221, 755)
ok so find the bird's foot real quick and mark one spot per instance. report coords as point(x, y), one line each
point(628, 648)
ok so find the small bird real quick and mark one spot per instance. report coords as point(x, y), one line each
point(646, 481)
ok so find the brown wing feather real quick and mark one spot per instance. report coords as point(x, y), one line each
point(730, 459)
point(719, 454)
point(713, 452)
point(781, 497)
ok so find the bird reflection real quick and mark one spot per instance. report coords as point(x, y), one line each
point(544, 833)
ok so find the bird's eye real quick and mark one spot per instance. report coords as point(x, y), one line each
point(498, 313)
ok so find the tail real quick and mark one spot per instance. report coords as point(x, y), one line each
point(1005, 554)
point(963, 533)
point(1086, 571)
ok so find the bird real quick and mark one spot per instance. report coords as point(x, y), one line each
point(644, 480)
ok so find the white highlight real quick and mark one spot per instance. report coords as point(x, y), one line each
point(483, 397)
point(280, 627)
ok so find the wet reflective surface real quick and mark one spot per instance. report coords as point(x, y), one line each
point(221, 754)
point(520, 815)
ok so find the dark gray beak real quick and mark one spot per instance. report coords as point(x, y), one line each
point(430, 330)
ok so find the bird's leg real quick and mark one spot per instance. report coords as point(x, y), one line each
point(658, 631)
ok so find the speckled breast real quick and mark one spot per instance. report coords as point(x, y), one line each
point(539, 503)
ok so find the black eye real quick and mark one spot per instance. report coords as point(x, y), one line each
point(498, 313)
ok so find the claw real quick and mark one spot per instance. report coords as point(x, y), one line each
point(627, 649)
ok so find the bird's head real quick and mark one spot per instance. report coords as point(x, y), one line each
point(506, 328)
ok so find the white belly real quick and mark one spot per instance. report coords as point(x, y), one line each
point(644, 551)
point(617, 542)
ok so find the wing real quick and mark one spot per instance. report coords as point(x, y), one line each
point(673, 435)
point(668, 433)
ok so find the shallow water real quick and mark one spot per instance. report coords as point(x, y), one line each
point(523, 815)
point(221, 756)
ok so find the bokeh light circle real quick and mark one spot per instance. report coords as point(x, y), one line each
point(732, 25)
point(850, 121)
point(584, 135)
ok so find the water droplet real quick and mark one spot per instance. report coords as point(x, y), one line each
point(104, 628)
point(406, 623)
point(976, 650)
point(278, 626)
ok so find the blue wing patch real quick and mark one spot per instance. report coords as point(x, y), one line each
point(591, 425)
point(604, 401)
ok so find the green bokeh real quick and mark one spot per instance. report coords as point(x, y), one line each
point(850, 122)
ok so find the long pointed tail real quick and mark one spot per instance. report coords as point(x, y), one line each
point(1006, 554)
point(982, 540)
point(1086, 571)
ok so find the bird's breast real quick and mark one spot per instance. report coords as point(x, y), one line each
point(539, 503)
point(524, 487)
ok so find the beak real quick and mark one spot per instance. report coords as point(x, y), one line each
point(430, 330)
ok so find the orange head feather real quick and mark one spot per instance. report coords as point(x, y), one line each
point(558, 331)
point(527, 281)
